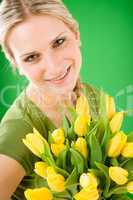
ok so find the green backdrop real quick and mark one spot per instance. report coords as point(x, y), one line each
point(107, 47)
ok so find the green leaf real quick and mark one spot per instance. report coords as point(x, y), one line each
point(38, 182)
point(120, 197)
point(65, 195)
point(130, 176)
point(92, 130)
point(130, 195)
point(61, 160)
point(103, 111)
point(72, 112)
point(62, 171)
point(72, 179)
point(130, 137)
point(47, 154)
point(77, 160)
point(50, 139)
point(65, 124)
point(48, 160)
point(68, 127)
point(97, 172)
point(95, 151)
point(117, 190)
point(127, 164)
point(105, 171)
point(70, 133)
point(114, 162)
point(105, 143)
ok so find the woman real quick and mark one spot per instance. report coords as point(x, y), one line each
point(42, 40)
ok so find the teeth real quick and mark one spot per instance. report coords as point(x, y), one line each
point(56, 79)
point(61, 76)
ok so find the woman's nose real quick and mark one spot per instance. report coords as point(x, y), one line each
point(51, 66)
point(49, 62)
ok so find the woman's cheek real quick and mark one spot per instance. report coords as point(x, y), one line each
point(72, 51)
point(33, 74)
point(76, 54)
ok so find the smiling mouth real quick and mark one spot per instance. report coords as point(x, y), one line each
point(60, 77)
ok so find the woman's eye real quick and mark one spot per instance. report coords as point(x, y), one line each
point(31, 58)
point(59, 42)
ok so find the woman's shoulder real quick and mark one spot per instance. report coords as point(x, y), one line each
point(16, 110)
point(23, 111)
point(15, 125)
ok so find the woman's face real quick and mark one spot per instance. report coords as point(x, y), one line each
point(47, 52)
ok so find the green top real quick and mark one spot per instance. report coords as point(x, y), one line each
point(19, 120)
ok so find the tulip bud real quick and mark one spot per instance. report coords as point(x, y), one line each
point(88, 179)
point(58, 136)
point(82, 106)
point(116, 144)
point(55, 181)
point(39, 194)
point(41, 169)
point(130, 187)
point(110, 105)
point(127, 151)
point(116, 121)
point(81, 146)
point(81, 124)
point(35, 142)
point(57, 148)
point(118, 175)
point(50, 171)
point(88, 193)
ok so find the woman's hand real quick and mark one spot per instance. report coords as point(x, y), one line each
point(11, 173)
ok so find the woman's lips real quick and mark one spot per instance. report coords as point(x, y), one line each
point(59, 80)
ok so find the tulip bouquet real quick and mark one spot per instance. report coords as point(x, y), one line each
point(84, 159)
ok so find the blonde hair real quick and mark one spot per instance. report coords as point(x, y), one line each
point(13, 12)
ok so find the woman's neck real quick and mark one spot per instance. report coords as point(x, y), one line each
point(49, 100)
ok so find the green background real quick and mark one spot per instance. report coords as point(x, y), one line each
point(107, 47)
point(106, 28)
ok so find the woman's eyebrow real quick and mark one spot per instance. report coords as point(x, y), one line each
point(32, 52)
point(57, 37)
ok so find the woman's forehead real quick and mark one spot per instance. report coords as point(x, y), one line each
point(35, 31)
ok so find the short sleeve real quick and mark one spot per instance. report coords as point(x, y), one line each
point(11, 134)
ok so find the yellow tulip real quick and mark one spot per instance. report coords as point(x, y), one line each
point(57, 148)
point(82, 106)
point(35, 142)
point(55, 181)
point(51, 171)
point(58, 136)
point(41, 169)
point(38, 194)
point(110, 105)
point(127, 151)
point(88, 179)
point(116, 121)
point(81, 146)
point(118, 175)
point(81, 124)
point(88, 193)
point(116, 144)
point(130, 187)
